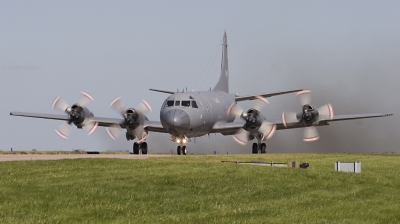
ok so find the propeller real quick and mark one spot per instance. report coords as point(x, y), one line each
point(77, 114)
point(310, 116)
point(131, 119)
point(254, 120)
point(234, 109)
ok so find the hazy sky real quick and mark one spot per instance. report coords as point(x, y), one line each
point(346, 52)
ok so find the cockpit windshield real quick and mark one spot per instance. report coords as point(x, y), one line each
point(177, 103)
point(185, 103)
point(170, 103)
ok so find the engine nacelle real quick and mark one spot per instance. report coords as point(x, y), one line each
point(131, 118)
point(78, 114)
point(253, 118)
point(309, 115)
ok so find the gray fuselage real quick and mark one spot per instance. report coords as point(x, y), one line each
point(193, 114)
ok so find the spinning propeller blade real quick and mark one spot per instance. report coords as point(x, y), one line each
point(305, 97)
point(310, 134)
point(326, 111)
point(63, 130)
point(85, 99)
point(268, 129)
point(241, 136)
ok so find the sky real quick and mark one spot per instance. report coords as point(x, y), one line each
point(346, 52)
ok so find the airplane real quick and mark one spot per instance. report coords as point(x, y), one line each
point(187, 115)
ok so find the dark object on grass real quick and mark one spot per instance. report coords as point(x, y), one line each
point(93, 152)
point(304, 165)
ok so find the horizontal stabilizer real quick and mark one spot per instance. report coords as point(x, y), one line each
point(265, 95)
point(162, 91)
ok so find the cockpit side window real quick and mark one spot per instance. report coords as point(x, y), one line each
point(185, 103)
point(170, 103)
point(194, 104)
point(177, 103)
point(164, 104)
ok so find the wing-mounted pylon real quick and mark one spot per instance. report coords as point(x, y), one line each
point(310, 116)
point(255, 122)
point(133, 121)
point(78, 115)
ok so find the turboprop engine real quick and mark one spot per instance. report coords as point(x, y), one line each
point(78, 113)
point(310, 116)
point(133, 121)
point(255, 123)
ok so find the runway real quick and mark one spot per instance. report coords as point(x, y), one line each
point(19, 157)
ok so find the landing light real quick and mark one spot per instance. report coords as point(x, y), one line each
point(178, 141)
point(184, 140)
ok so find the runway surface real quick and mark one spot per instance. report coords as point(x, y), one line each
point(19, 157)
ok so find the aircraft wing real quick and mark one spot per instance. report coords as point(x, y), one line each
point(356, 116)
point(152, 126)
point(232, 127)
point(107, 122)
point(227, 128)
point(63, 117)
point(324, 122)
point(265, 95)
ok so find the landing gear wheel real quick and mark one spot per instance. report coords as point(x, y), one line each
point(144, 148)
point(255, 148)
point(183, 150)
point(136, 148)
point(178, 150)
point(263, 148)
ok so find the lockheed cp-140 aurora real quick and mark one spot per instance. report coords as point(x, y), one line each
point(186, 115)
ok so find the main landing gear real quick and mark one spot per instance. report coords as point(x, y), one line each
point(181, 150)
point(262, 148)
point(137, 147)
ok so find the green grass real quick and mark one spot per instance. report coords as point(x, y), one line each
point(201, 189)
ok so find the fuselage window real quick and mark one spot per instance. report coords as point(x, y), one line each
point(185, 103)
point(194, 104)
point(177, 103)
point(170, 103)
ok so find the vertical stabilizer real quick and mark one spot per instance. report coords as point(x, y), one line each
point(223, 83)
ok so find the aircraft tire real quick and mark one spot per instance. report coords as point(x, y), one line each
point(184, 150)
point(255, 148)
point(178, 150)
point(144, 148)
point(136, 148)
point(263, 146)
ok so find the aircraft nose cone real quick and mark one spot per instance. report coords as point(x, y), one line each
point(176, 121)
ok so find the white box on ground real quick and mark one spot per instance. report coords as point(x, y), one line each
point(354, 167)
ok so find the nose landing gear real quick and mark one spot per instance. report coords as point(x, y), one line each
point(181, 150)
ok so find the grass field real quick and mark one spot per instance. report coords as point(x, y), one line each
point(201, 189)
